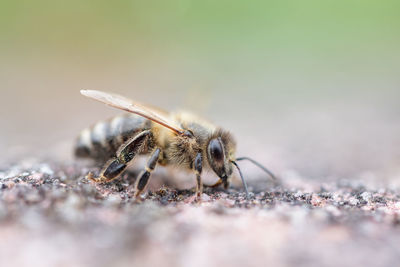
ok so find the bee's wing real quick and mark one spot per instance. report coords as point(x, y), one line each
point(126, 104)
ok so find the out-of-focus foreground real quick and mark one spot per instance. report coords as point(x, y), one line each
point(309, 88)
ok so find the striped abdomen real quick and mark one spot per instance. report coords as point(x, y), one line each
point(102, 140)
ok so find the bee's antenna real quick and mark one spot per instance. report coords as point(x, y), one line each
point(241, 176)
point(258, 165)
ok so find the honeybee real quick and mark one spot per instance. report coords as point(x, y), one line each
point(175, 139)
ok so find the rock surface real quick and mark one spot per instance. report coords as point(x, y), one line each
point(51, 215)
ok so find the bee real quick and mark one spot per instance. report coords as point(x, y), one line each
point(174, 139)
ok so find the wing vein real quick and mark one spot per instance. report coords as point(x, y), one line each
point(128, 105)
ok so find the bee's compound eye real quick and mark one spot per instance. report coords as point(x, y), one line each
point(216, 150)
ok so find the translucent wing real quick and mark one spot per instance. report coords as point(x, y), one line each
point(126, 104)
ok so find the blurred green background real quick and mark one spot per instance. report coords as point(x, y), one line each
point(311, 86)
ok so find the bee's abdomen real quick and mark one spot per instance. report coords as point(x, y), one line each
point(103, 139)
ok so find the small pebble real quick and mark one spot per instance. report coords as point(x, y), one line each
point(353, 201)
point(366, 196)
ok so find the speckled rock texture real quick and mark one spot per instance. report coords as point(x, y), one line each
point(51, 215)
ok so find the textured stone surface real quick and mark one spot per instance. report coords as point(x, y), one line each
point(50, 215)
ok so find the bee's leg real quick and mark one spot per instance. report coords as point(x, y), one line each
point(198, 167)
point(226, 184)
point(111, 170)
point(144, 176)
point(218, 183)
point(127, 152)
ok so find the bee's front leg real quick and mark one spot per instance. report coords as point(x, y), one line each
point(144, 176)
point(218, 183)
point(116, 166)
point(198, 167)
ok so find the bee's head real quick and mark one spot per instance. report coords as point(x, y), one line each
point(220, 152)
point(221, 149)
